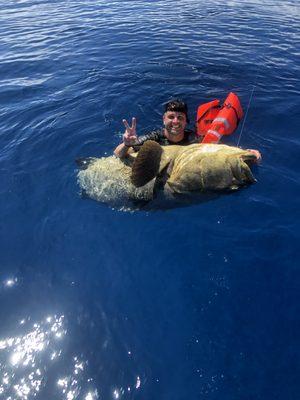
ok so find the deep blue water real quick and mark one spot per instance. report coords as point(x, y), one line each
point(196, 302)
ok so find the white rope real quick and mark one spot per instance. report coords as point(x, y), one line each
point(249, 102)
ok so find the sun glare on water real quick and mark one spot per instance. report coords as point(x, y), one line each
point(26, 358)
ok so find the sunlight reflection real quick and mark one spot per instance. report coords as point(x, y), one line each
point(21, 357)
point(10, 282)
point(26, 358)
point(71, 386)
point(138, 382)
point(117, 393)
point(92, 395)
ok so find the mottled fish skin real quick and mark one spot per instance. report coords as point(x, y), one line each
point(197, 167)
point(192, 169)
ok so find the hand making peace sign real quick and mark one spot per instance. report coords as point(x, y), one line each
point(130, 136)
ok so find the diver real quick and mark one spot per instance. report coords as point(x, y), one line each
point(175, 120)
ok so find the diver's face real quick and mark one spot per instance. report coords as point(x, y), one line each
point(175, 123)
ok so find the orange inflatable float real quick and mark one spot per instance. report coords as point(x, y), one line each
point(215, 120)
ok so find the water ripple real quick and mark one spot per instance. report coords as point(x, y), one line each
point(69, 72)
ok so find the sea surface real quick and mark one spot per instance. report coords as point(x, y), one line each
point(193, 302)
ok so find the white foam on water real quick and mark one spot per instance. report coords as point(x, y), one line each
point(108, 180)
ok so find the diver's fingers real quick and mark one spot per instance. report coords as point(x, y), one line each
point(256, 153)
point(129, 137)
point(133, 123)
point(129, 140)
point(130, 130)
point(126, 124)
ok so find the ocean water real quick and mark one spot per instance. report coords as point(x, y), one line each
point(192, 302)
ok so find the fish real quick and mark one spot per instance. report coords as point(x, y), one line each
point(196, 167)
point(166, 172)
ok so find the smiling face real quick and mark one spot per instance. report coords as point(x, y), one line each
point(174, 123)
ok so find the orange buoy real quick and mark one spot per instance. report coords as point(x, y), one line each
point(214, 121)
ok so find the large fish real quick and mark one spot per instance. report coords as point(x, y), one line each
point(173, 170)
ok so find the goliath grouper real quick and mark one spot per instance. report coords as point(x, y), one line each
point(174, 170)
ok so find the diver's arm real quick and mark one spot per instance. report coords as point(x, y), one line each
point(154, 135)
point(121, 151)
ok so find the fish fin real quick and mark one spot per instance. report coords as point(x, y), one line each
point(147, 163)
point(240, 169)
point(85, 162)
point(248, 176)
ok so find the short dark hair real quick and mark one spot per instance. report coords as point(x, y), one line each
point(177, 105)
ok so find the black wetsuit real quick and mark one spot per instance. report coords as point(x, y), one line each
point(159, 137)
